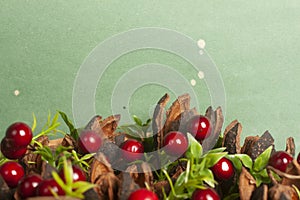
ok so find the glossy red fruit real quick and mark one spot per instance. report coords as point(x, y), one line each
point(280, 160)
point(199, 126)
point(12, 172)
point(11, 152)
point(28, 185)
point(298, 158)
point(45, 187)
point(20, 133)
point(142, 194)
point(223, 169)
point(175, 143)
point(206, 194)
point(89, 141)
point(78, 174)
point(132, 150)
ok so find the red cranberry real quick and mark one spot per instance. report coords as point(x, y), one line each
point(132, 150)
point(10, 151)
point(78, 174)
point(280, 160)
point(206, 194)
point(28, 185)
point(89, 141)
point(45, 187)
point(199, 126)
point(223, 169)
point(142, 194)
point(12, 172)
point(175, 143)
point(20, 133)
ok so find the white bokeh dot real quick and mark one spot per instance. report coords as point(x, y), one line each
point(16, 92)
point(201, 75)
point(193, 82)
point(201, 43)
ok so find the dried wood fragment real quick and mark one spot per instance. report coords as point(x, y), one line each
point(293, 169)
point(247, 184)
point(216, 119)
point(290, 146)
point(282, 192)
point(158, 121)
point(232, 136)
point(141, 174)
point(127, 185)
point(260, 193)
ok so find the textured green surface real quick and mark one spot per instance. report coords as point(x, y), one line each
point(254, 44)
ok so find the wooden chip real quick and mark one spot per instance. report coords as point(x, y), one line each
point(247, 184)
point(158, 121)
point(102, 175)
point(292, 169)
point(33, 162)
point(140, 178)
point(254, 146)
point(282, 192)
point(180, 105)
point(290, 146)
point(99, 167)
point(105, 128)
point(127, 185)
point(261, 193)
point(216, 118)
point(232, 136)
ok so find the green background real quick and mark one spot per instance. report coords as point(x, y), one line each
point(255, 45)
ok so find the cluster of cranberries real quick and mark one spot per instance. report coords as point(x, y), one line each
point(18, 136)
point(33, 185)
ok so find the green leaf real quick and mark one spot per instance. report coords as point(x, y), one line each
point(181, 179)
point(195, 148)
point(237, 163)
point(133, 131)
point(73, 130)
point(33, 127)
point(137, 120)
point(262, 160)
point(217, 150)
point(213, 158)
point(246, 160)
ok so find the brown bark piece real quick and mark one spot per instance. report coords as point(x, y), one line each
point(254, 146)
point(248, 143)
point(247, 184)
point(180, 105)
point(32, 161)
point(290, 146)
point(292, 169)
point(141, 178)
point(216, 118)
point(102, 175)
point(128, 185)
point(232, 136)
point(5, 192)
point(69, 141)
point(104, 127)
point(282, 192)
point(261, 193)
point(158, 121)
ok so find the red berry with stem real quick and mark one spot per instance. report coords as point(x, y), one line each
point(10, 151)
point(142, 194)
point(280, 160)
point(223, 169)
point(20, 133)
point(28, 185)
point(12, 172)
point(46, 186)
point(199, 126)
point(89, 141)
point(132, 150)
point(78, 174)
point(175, 143)
point(205, 194)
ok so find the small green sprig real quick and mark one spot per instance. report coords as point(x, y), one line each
point(197, 173)
point(257, 168)
point(72, 189)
